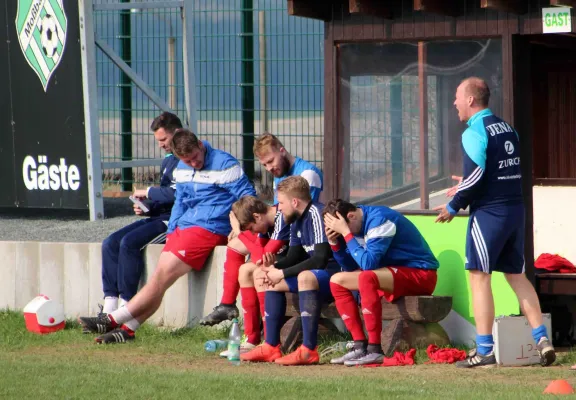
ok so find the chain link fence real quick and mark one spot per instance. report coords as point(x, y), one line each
point(257, 69)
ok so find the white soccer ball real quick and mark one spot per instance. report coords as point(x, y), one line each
point(49, 35)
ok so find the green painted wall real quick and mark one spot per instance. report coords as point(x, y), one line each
point(448, 242)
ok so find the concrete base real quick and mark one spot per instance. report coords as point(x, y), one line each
point(70, 273)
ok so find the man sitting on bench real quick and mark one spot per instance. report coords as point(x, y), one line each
point(305, 269)
point(384, 255)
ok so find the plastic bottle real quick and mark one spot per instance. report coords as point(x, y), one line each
point(234, 343)
point(214, 345)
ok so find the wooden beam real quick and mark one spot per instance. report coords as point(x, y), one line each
point(565, 3)
point(310, 9)
point(423, 105)
point(375, 8)
point(511, 6)
point(451, 8)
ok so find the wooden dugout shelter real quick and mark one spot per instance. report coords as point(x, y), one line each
point(391, 132)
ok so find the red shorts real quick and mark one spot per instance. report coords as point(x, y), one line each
point(193, 245)
point(411, 282)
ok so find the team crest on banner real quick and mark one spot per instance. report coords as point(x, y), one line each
point(41, 29)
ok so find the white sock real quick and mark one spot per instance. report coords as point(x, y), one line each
point(122, 302)
point(110, 304)
point(121, 315)
point(133, 324)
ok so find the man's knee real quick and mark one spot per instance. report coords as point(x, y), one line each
point(247, 270)
point(307, 281)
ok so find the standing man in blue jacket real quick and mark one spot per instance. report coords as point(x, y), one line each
point(492, 188)
point(208, 182)
point(122, 261)
point(382, 254)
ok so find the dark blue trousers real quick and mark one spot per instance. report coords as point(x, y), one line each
point(122, 261)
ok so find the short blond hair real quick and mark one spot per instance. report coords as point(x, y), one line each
point(245, 208)
point(265, 143)
point(477, 88)
point(295, 186)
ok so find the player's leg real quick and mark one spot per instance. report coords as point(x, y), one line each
point(250, 305)
point(341, 285)
point(313, 290)
point(275, 310)
point(236, 253)
point(484, 242)
point(511, 262)
point(130, 260)
point(110, 267)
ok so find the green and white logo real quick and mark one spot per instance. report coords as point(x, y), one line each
point(41, 28)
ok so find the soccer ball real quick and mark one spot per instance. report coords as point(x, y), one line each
point(49, 35)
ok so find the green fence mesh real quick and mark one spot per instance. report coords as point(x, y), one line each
point(256, 69)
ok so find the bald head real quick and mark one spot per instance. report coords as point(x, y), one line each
point(472, 95)
point(478, 89)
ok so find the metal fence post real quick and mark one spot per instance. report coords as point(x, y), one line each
point(93, 162)
point(189, 71)
point(247, 88)
point(126, 97)
point(263, 75)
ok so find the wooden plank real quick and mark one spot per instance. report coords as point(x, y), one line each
point(310, 9)
point(330, 113)
point(451, 8)
point(423, 118)
point(376, 8)
point(512, 6)
point(557, 286)
point(409, 308)
point(564, 3)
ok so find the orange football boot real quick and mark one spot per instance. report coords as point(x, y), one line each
point(262, 353)
point(302, 356)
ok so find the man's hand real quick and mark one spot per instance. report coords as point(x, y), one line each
point(140, 193)
point(444, 215)
point(452, 191)
point(234, 223)
point(231, 236)
point(336, 223)
point(138, 210)
point(268, 260)
point(332, 236)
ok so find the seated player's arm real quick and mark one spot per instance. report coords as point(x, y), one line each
point(295, 255)
point(342, 256)
point(474, 146)
point(235, 181)
point(315, 182)
point(177, 211)
point(378, 240)
point(319, 260)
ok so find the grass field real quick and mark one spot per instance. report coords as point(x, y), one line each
point(174, 365)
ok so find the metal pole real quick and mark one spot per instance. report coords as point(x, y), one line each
point(263, 91)
point(247, 87)
point(189, 72)
point(173, 100)
point(423, 105)
point(126, 97)
point(93, 161)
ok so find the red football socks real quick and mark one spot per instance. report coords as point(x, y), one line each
point(251, 315)
point(261, 297)
point(368, 286)
point(231, 269)
point(348, 310)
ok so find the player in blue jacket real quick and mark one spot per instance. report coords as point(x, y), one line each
point(382, 254)
point(306, 269)
point(208, 182)
point(492, 188)
point(281, 164)
point(122, 261)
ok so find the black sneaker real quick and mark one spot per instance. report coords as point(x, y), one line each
point(99, 324)
point(220, 313)
point(118, 335)
point(100, 314)
point(476, 360)
point(546, 351)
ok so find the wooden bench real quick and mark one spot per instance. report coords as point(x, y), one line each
point(553, 283)
point(413, 322)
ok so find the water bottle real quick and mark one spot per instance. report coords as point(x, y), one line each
point(214, 345)
point(234, 343)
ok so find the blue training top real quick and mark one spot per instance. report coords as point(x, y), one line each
point(492, 174)
point(387, 238)
point(308, 171)
point(308, 230)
